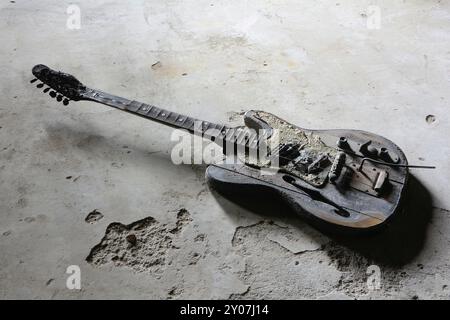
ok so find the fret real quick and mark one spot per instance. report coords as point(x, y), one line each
point(221, 127)
point(201, 126)
point(233, 135)
point(241, 137)
point(173, 117)
point(225, 133)
point(251, 137)
point(197, 125)
point(165, 114)
point(155, 112)
point(133, 106)
point(212, 132)
point(230, 134)
point(211, 128)
point(188, 123)
point(220, 134)
point(253, 142)
point(183, 121)
point(143, 109)
point(192, 120)
point(205, 125)
point(216, 125)
point(261, 138)
point(162, 115)
point(149, 109)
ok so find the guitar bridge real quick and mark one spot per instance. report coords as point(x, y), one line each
point(370, 180)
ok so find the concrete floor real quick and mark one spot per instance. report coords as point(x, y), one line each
point(312, 62)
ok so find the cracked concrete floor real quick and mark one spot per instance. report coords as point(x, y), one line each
point(89, 186)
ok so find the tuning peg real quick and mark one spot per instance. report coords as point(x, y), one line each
point(65, 101)
point(52, 94)
point(34, 80)
point(46, 89)
point(59, 97)
point(40, 85)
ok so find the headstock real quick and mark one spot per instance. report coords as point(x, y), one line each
point(62, 86)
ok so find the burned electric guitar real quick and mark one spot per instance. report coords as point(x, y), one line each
point(350, 179)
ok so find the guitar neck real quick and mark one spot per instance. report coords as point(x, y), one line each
point(221, 134)
point(209, 130)
point(66, 85)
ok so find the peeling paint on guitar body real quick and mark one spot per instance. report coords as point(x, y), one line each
point(366, 212)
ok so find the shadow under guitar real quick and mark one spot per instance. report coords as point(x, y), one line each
point(394, 245)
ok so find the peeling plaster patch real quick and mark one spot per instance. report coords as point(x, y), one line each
point(272, 269)
point(29, 219)
point(235, 116)
point(174, 292)
point(194, 257)
point(200, 237)
point(430, 118)
point(7, 233)
point(156, 65)
point(93, 216)
point(22, 203)
point(183, 218)
point(354, 271)
point(294, 240)
point(335, 296)
point(142, 245)
point(240, 295)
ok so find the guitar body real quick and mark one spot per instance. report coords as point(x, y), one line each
point(346, 179)
point(363, 208)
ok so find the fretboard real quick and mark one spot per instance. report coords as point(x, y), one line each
point(214, 132)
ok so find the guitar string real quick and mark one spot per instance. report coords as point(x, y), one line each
point(103, 99)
